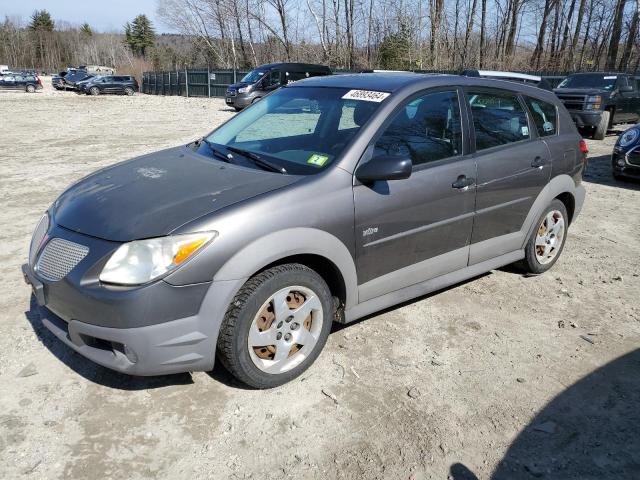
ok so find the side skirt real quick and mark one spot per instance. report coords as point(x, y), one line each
point(437, 283)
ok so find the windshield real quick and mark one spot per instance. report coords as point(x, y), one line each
point(603, 82)
point(301, 129)
point(253, 76)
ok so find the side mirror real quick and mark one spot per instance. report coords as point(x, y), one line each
point(384, 167)
point(625, 88)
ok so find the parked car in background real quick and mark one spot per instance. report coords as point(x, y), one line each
point(98, 69)
point(626, 154)
point(525, 78)
point(3, 69)
point(266, 78)
point(118, 84)
point(597, 101)
point(71, 80)
point(332, 198)
point(20, 81)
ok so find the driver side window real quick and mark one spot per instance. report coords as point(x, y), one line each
point(426, 129)
point(274, 79)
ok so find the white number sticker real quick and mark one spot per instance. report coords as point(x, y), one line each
point(612, 77)
point(366, 95)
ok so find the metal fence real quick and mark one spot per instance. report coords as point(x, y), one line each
point(205, 82)
point(197, 82)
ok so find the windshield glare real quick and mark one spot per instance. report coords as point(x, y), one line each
point(303, 129)
point(253, 76)
point(604, 82)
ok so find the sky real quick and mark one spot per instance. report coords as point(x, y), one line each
point(103, 16)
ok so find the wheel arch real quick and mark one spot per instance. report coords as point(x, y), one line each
point(317, 249)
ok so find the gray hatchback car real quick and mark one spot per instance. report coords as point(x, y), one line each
point(332, 198)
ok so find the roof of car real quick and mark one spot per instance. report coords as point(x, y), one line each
point(385, 82)
point(293, 65)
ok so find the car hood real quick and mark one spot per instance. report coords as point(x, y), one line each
point(152, 195)
point(581, 91)
point(235, 86)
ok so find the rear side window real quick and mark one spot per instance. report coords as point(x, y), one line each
point(498, 119)
point(426, 129)
point(545, 116)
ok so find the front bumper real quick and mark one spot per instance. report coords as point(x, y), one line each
point(153, 329)
point(240, 100)
point(586, 118)
point(626, 164)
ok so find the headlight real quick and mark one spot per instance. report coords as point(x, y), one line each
point(244, 89)
point(594, 99)
point(139, 262)
point(38, 238)
point(629, 137)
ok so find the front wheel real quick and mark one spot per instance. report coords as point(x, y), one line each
point(276, 326)
point(547, 241)
point(129, 91)
point(94, 91)
point(30, 88)
point(601, 130)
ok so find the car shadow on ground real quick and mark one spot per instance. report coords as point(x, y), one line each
point(599, 170)
point(92, 371)
point(589, 431)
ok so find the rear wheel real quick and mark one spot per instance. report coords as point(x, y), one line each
point(129, 91)
point(601, 130)
point(94, 91)
point(30, 88)
point(547, 241)
point(276, 326)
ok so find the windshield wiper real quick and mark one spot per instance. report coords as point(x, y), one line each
point(258, 160)
point(216, 152)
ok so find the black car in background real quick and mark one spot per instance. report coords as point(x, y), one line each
point(29, 82)
point(597, 101)
point(269, 77)
point(72, 80)
point(121, 84)
point(57, 81)
point(626, 154)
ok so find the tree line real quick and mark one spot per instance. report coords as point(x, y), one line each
point(526, 35)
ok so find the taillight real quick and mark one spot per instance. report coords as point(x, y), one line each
point(585, 151)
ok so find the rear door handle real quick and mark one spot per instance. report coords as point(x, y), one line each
point(463, 182)
point(538, 162)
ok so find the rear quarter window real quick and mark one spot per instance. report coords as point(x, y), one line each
point(545, 116)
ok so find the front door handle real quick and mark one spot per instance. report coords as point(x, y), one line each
point(463, 182)
point(538, 162)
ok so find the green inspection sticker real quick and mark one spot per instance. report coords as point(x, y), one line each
point(318, 160)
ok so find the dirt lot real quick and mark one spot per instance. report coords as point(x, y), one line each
point(500, 377)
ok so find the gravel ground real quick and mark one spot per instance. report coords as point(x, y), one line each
point(500, 377)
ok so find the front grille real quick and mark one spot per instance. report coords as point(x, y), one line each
point(573, 102)
point(59, 257)
point(38, 236)
point(633, 157)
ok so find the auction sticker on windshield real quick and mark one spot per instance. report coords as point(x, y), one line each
point(366, 95)
point(318, 160)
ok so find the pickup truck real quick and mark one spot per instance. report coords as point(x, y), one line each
point(597, 101)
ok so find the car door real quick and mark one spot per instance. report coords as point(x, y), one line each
point(273, 80)
point(514, 165)
point(408, 231)
point(106, 85)
point(118, 84)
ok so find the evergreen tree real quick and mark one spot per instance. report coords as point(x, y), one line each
point(394, 50)
point(139, 34)
point(41, 21)
point(86, 30)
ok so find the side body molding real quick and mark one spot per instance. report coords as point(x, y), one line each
point(288, 242)
point(494, 247)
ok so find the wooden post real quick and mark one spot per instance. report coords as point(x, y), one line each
point(186, 80)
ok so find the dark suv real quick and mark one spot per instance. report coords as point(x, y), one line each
point(597, 101)
point(120, 84)
point(333, 198)
point(28, 82)
point(267, 78)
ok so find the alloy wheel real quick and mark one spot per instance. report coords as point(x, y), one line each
point(549, 237)
point(285, 330)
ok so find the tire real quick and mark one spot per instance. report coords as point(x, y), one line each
point(94, 91)
point(129, 91)
point(601, 130)
point(30, 88)
point(253, 313)
point(255, 100)
point(535, 262)
point(237, 109)
point(619, 177)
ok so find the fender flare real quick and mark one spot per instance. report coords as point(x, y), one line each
point(556, 186)
point(293, 241)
